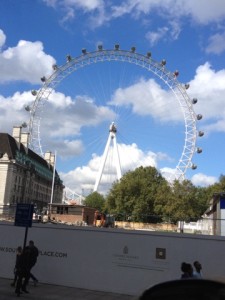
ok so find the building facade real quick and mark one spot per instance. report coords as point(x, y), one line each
point(216, 212)
point(26, 177)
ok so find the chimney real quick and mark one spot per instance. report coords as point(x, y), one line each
point(25, 138)
point(52, 159)
point(48, 157)
point(17, 133)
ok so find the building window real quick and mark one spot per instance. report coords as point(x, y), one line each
point(59, 210)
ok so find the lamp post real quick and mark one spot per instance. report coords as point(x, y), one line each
point(53, 180)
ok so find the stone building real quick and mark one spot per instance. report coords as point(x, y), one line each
point(26, 177)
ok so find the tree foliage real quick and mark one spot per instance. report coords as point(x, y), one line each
point(144, 195)
point(95, 200)
point(135, 195)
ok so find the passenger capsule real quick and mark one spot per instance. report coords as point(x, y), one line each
point(199, 150)
point(34, 93)
point(199, 117)
point(68, 58)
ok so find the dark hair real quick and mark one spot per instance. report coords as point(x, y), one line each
point(184, 267)
point(196, 263)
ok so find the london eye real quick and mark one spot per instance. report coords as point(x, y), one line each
point(89, 67)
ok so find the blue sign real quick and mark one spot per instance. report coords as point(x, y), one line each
point(222, 202)
point(24, 215)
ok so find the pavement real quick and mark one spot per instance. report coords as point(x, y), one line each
point(56, 292)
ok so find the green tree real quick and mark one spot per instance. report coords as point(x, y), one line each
point(136, 193)
point(217, 187)
point(95, 200)
point(186, 203)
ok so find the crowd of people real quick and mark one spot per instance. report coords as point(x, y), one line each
point(189, 271)
point(25, 260)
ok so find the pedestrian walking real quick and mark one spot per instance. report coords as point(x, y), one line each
point(23, 272)
point(18, 254)
point(34, 252)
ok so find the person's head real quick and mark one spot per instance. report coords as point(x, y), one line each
point(19, 249)
point(31, 243)
point(184, 267)
point(187, 268)
point(197, 266)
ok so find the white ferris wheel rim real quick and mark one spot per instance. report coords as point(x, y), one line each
point(132, 57)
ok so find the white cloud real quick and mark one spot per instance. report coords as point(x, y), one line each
point(167, 33)
point(71, 8)
point(208, 86)
point(12, 109)
point(201, 11)
point(25, 62)
point(86, 5)
point(216, 44)
point(146, 97)
point(131, 157)
point(2, 38)
point(69, 115)
point(155, 36)
point(203, 180)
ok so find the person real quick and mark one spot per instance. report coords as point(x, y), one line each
point(23, 272)
point(187, 271)
point(198, 268)
point(18, 254)
point(34, 252)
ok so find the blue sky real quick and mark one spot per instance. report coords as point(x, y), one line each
point(190, 35)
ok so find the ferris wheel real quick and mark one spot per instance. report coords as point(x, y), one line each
point(131, 57)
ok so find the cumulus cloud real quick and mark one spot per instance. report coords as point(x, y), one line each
point(27, 61)
point(83, 178)
point(203, 180)
point(147, 97)
point(208, 87)
point(12, 108)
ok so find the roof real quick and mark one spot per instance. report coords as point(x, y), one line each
point(10, 146)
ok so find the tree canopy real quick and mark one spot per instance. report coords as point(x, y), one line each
point(95, 200)
point(144, 195)
point(136, 194)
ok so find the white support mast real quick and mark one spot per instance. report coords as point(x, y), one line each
point(111, 138)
